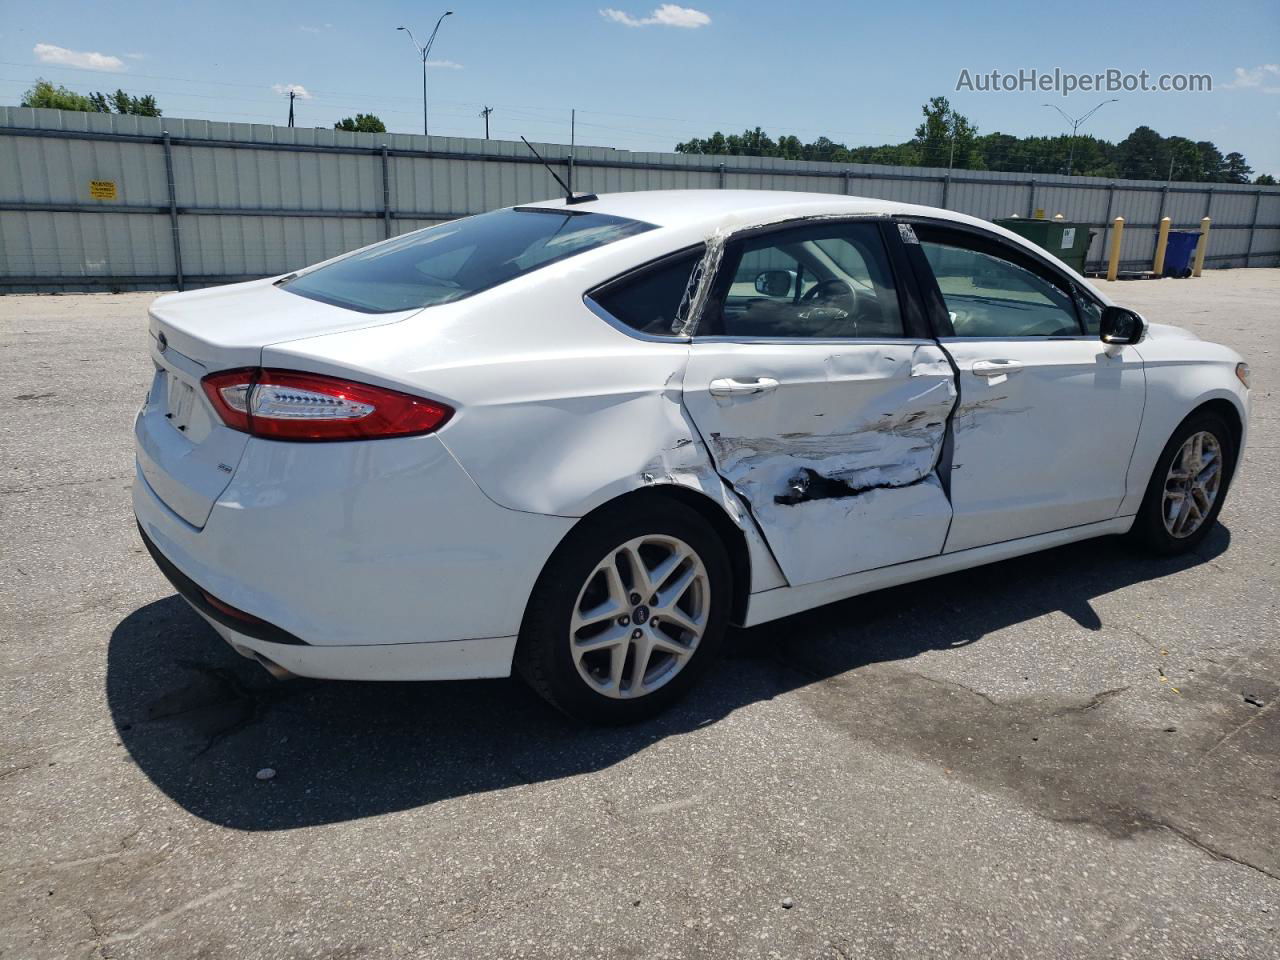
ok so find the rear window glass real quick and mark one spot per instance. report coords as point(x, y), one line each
point(455, 260)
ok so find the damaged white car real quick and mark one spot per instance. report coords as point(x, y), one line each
point(583, 438)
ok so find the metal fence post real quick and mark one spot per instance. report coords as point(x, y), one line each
point(946, 189)
point(1106, 226)
point(1031, 200)
point(386, 196)
point(1253, 225)
point(846, 183)
point(721, 184)
point(173, 211)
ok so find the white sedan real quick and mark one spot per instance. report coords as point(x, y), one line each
point(582, 438)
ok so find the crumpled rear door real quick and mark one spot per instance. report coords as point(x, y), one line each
point(834, 446)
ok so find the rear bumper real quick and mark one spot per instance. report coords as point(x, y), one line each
point(262, 641)
point(442, 660)
point(385, 562)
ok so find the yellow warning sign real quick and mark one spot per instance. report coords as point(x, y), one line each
point(102, 189)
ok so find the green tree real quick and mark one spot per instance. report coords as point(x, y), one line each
point(361, 123)
point(1143, 155)
point(1235, 170)
point(45, 94)
point(1265, 180)
point(1140, 155)
point(122, 102)
point(946, 138)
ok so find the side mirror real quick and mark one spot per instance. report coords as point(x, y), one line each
point(774, 283)
point(1119, 325)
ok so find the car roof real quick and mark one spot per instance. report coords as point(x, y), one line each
point(707, 212)
point(679, 208)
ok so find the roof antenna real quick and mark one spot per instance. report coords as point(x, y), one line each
point(569, 196)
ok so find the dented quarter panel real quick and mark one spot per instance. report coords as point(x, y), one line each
point(552, 418)
point(838, 462)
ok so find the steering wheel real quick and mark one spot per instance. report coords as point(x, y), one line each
point(829, 289)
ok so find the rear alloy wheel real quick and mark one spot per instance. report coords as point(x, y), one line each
point(1188, 486)
point(627, 613)
point(640, 616)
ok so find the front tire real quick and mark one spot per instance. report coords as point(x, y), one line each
point(1188, 487)
point(627, 613)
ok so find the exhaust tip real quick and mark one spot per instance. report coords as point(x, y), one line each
point(273, 668)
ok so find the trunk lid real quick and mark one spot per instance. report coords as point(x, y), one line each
point(185, 452)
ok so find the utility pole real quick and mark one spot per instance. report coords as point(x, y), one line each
point(425, 51)
point(485, 113)
point(1075, 125)
point(292, 93)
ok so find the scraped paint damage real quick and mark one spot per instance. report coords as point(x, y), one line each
point(869, 464)
point(896, 445)
point(860, 454)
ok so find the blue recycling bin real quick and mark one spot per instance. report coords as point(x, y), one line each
point(1179, 251)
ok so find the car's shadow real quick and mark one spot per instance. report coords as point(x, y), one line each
point(201, 721)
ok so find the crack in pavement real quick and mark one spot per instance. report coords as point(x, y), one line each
point(1236, 729)
point(1214, 851)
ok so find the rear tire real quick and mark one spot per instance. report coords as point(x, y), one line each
point(595, 644)
point(1188, 486)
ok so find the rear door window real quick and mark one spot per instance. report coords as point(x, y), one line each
point(820, 281)
point(454, 260)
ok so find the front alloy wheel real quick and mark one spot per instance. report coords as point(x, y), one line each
point(1188, 485)
point(1191, 487)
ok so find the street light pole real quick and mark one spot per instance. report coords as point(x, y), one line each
point(425, 51)
point(1075, 125)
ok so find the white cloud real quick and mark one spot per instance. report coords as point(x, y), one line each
point(135, 56)
point(445, 64)
point(299, 90)
point(83, 60)
point(1265, 78)
point(307, 28)
point(667, 15)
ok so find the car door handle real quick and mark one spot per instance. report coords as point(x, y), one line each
point(995, 368)
point(729, 387)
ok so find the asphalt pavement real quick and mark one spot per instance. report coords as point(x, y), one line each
point(1075, 754)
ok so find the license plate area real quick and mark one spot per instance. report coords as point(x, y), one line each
point(181, 400)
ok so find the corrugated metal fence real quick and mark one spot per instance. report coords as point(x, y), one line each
point(94, 201)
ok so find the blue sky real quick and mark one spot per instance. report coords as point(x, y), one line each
point(645, 75)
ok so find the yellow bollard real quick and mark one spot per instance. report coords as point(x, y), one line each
point(1202, 245)
point(1113, 267)
point(1162, 241)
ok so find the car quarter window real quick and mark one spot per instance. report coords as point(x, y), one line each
point(824, 280)
point(992, 291)
point(647, 300)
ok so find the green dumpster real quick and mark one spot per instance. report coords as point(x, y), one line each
point(1067, 241)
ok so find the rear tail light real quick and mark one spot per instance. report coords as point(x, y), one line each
point(289, 405)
